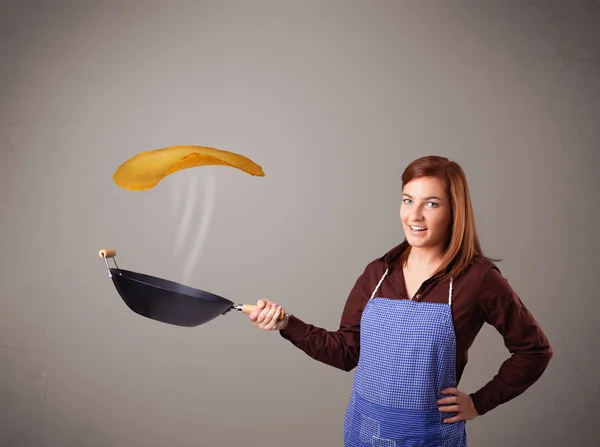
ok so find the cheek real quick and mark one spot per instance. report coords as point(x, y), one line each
point(441, 222)
point(403, 214)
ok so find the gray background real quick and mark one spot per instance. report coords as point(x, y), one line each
point(332, 99)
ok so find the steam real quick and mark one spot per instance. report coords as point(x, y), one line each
point(186, 203)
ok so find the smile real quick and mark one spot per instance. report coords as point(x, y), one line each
point(417, 228)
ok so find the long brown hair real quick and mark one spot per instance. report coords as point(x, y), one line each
point(463, 244)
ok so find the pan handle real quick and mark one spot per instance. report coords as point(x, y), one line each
point(107, 253)
point(247, 308)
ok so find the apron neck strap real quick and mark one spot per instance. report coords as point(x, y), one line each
point(379, 283)
point(385, 274)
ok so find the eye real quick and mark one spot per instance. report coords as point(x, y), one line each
point(407, 201)
point(432, 204)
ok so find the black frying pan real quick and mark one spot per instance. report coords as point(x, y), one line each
point(167, 301)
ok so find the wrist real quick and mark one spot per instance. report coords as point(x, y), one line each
point(284, 323)
point(476, 404)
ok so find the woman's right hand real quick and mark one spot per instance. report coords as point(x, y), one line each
point(265, 316)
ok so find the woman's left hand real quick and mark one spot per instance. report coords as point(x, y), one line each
point(459, 403)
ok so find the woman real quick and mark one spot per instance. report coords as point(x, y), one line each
point(413, 314)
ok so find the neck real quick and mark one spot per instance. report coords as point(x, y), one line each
point(425, 257)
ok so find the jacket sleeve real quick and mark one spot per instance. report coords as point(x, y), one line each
point(529, 348)
point(338, 348)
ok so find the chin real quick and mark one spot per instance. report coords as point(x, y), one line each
point(416, 243)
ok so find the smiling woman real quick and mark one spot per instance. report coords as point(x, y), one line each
point(425, 212)
point(411, 318)
point(437, 218)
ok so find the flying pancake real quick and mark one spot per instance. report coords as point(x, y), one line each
point(145, 170)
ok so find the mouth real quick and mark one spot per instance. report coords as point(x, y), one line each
point(417, 228)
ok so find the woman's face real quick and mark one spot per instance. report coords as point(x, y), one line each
point(426, 213)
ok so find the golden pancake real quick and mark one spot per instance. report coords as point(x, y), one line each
point(146, 169)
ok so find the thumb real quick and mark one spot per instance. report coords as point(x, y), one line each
point(262, 303)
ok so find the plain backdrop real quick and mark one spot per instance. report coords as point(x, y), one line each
point(333, 99)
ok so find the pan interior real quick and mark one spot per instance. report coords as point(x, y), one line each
point(171, 286)
point(167, 301)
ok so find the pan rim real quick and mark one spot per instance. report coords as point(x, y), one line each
point(178, 288)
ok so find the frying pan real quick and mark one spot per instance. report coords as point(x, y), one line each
point(167, 301)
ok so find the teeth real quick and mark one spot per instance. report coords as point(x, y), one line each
point(417, 228)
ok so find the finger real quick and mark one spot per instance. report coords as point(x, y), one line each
point(454, 419)
point(264, 318)
point(448, 400)
point(276, 320)
point(449, 409)
point(253, 315)
point(276, 314)
point(450, 391)
point(259, 318)
point(271, 319)
point(262, 315)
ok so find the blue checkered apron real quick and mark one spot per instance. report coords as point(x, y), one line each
point(407, 356)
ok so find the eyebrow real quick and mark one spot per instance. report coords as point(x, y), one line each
point(426, 198)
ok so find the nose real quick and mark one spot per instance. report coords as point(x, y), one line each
point(416, 214)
